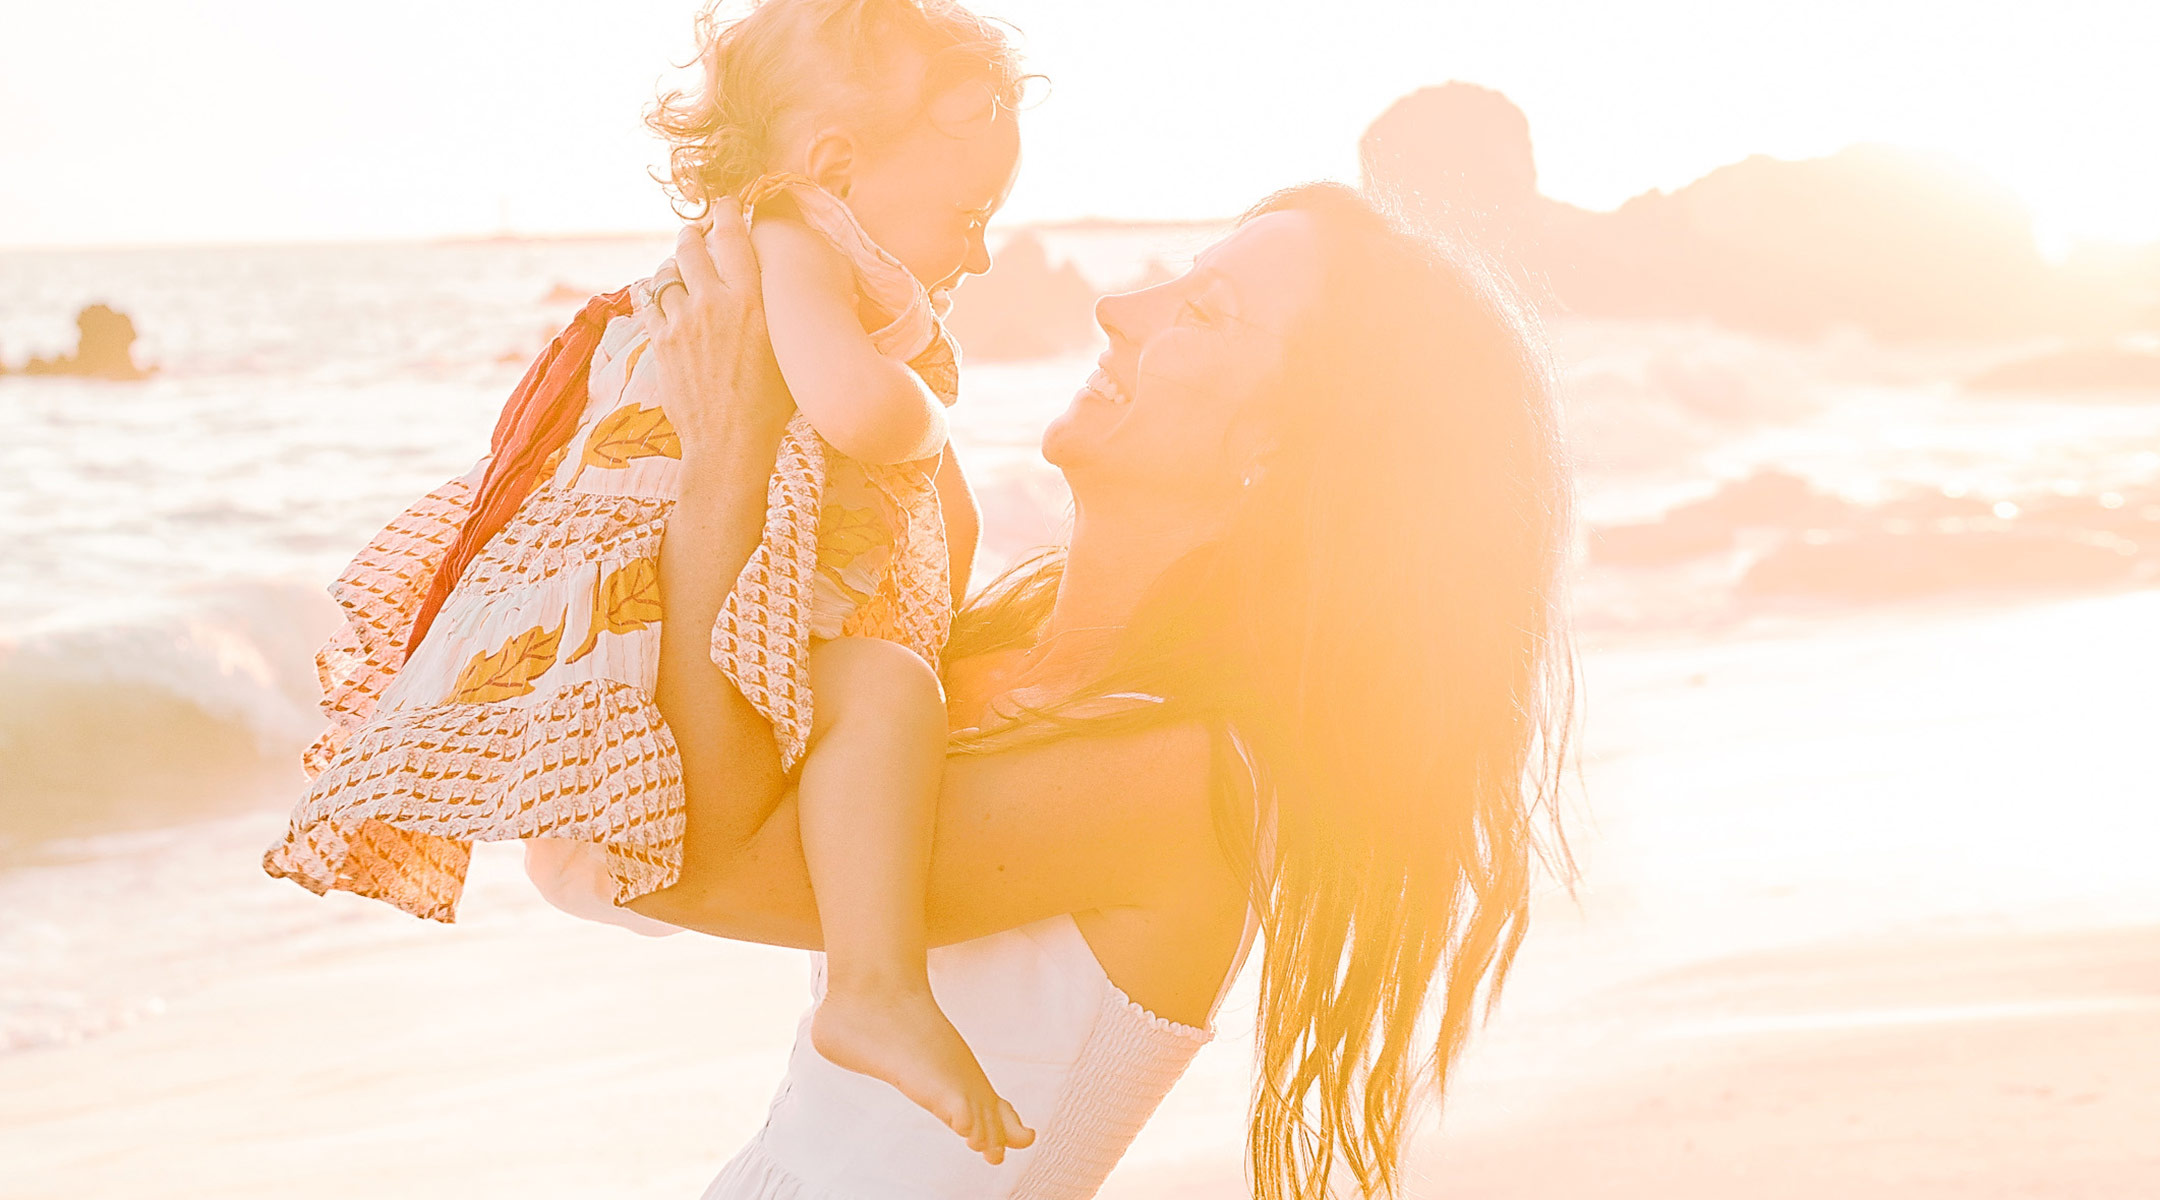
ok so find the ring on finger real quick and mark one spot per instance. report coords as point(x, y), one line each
point(661, 289)
point(669, 275)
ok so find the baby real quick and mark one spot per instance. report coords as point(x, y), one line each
point(495, 677)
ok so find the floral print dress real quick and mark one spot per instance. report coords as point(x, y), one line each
point(525, 711)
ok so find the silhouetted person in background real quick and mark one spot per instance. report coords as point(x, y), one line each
point(104, 348)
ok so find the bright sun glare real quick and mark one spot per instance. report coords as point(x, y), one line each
point(246, 119)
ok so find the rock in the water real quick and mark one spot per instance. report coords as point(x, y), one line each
point(2106, 368)
point(1767, 499)
point(1024, 307)
point(104, 348)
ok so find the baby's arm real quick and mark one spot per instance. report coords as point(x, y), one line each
point(963, 522)
point(871, 408)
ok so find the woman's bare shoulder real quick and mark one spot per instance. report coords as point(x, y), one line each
point(1171, 946)
point(969, 680)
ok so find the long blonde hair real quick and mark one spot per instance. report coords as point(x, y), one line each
point(787, 57)
point(1376, 641)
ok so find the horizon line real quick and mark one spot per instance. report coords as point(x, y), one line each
point(513, 237)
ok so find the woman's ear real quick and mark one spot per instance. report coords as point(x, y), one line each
point(830, 162)
point(1254, 446)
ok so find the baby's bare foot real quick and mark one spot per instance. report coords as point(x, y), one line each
point(905, 1040)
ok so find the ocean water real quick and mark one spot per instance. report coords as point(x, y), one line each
point(166, 542)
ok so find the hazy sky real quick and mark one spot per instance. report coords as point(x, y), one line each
point(156, 120)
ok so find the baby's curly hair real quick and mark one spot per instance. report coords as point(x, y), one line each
point(787, 57)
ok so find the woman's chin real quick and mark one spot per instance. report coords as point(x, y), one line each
point(1058, 442)
point(1078, 433)
point(1067, 439)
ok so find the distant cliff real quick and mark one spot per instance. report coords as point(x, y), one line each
point(1024, 307)
point(1902, 245)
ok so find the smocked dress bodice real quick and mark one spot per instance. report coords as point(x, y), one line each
point(1083, 1064)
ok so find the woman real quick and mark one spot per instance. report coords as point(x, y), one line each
point(1299, 669)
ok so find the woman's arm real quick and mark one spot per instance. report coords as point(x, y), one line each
point(871, 408)
point(729, 407)
point(1068, 826)
point(1072, 825)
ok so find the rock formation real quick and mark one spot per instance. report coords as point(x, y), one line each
point(1458, 158)
point(1901, 245)
point(104, 348)
point(1024, 308)
point(2097, 368)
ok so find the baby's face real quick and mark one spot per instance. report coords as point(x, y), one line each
point(926, 194)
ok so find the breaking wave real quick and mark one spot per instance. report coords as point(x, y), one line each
point(201, 707)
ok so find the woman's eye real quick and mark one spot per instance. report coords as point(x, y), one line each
point(1196, 314)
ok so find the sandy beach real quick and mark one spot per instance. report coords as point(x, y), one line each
point(1852, 318)
point(2011, 1065)
point(1865, 913)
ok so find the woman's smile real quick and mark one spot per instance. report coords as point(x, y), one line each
point(1102, 385)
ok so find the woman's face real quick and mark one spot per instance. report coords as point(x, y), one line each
point(1171, 414)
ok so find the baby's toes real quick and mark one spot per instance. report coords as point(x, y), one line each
point(961, 1117)
point(975, 1131)
point(1016, 1134)
point(993, 1140)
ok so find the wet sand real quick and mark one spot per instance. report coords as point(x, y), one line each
point(1869, 910)
point(2006, 1066)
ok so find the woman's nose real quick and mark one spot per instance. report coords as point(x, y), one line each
point(1134, 317)
point(1123, 316)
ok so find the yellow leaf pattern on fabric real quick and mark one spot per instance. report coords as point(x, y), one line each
point(509, 671)
point(630, 369)
point(846, 534)
point(626, 601)
point(630, 432)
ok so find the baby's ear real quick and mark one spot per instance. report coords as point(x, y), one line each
point(830, 162)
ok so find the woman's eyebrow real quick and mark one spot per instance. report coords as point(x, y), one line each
point(1207, 278)
point(1204, 278)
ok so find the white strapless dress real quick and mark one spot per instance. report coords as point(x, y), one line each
point(1084, 1065)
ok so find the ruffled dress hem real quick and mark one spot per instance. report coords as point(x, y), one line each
point(395, 815)
point(753, 1175)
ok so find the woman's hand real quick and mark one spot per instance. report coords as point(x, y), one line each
point(705, 314)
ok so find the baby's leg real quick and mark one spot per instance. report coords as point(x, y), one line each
point(868, 800)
